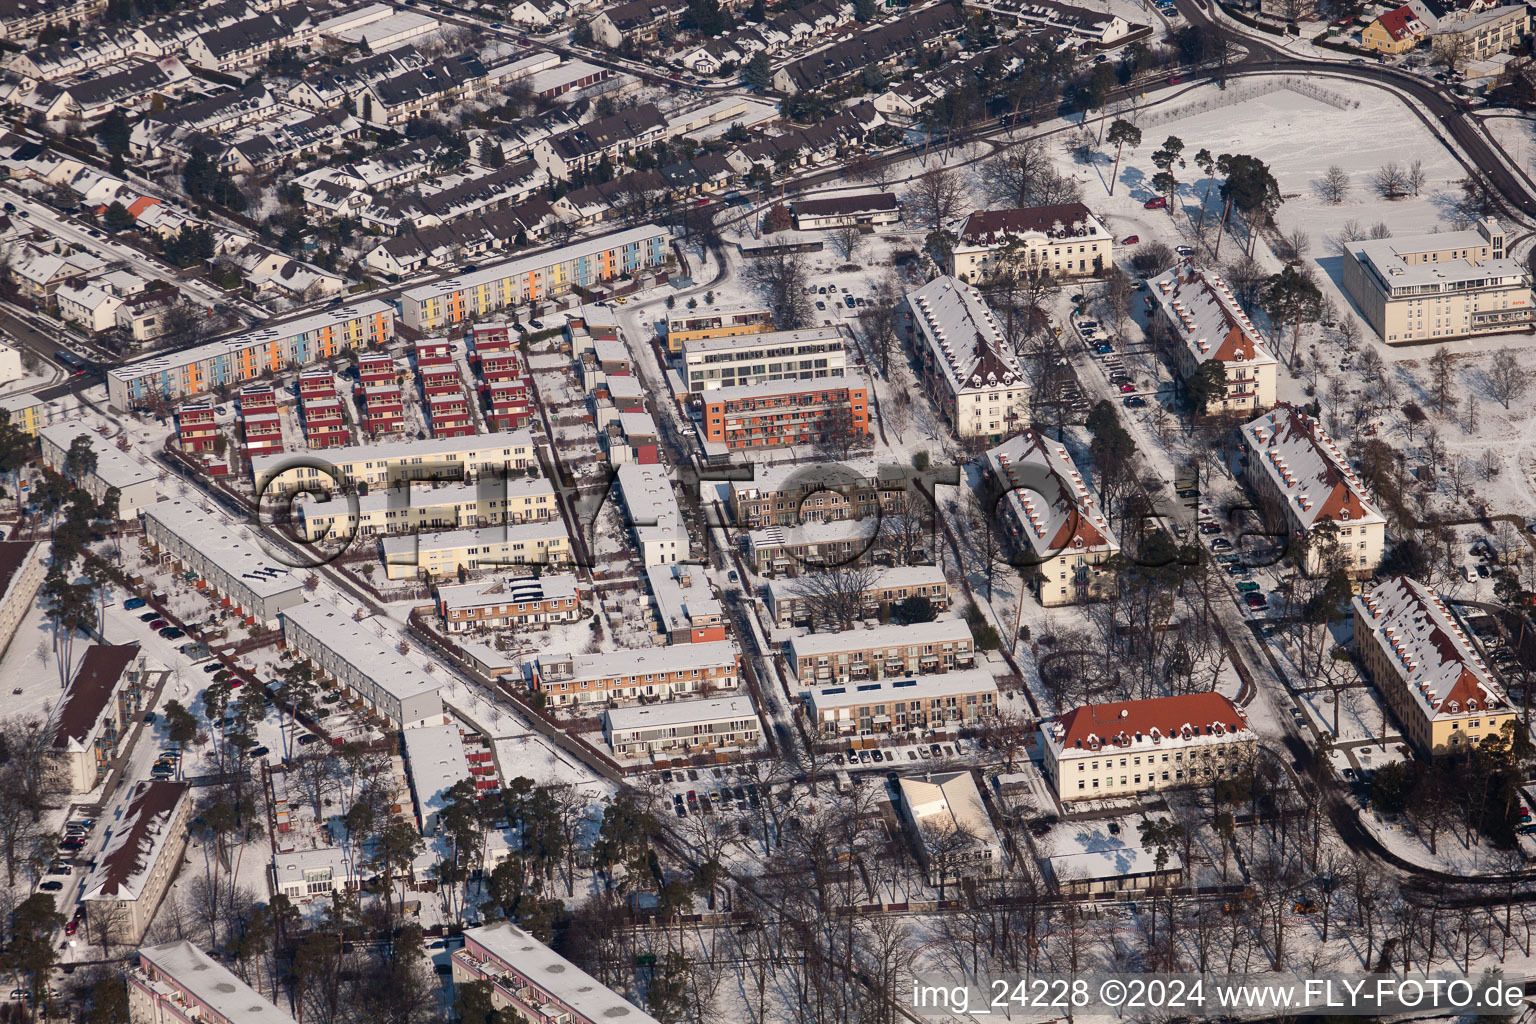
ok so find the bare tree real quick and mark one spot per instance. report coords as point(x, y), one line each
point(1417, 177)
point(1024, 174)
point(1507, 379)
point(836, 595)
point(938, 196)
point(846, 239)
point(781, 280)
point(1334, 185)
point(1380, 230)
point(1390, 181)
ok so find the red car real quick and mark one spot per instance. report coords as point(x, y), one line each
point(158, 624)
point(72, 927)
point(1127, 388)
point(1131, 240)
point(1175, 79)
point(1156, 203)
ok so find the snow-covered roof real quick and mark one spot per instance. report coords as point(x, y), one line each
point(939, 631)
point(1055, 509)
point(674, 713)
point(770, 479)
point(1104, 863)
point(358, 645)
point(525, 265)
point(1138, 725)
point(113, 468)
point(949, 684)
point(435, 757)
point(403, 549)
point(134, 848)
point(682, 594)
point(423, 497)
point(449, 449)
point(183, 966)
point(885, 578)
point(1444, 674)
point(845, 380)
point(637, 662)
point(509, 590)
point(1307, 467)
point(751, 342)
point(1208, 321)
point(651, 503)
point(225, 545)
point(554, 974)
point(815, 532)
point(964, 337)
point(949, 802)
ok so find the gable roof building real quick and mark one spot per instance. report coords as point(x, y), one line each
point(971, 370)
point(135, 867)
point(1064, 241)
point(1203, 321)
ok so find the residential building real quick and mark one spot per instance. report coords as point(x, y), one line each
point(177, 983)
point(92, 307)
point(305, 873)
point(1125, 748)
point(780, 550)
point(951, 829)
point(1112, 867)
point(533, 278)
point(613, 137)
point(1448, 285)
point(1059, 532)
point(1062, 241)
point(249, 42)
point(30, 413)
point(908, 707)
point(135, 867)
point(92, 718)
point(439, 555)
point(261, 425)
point(918, 648)
point(222, 559)
point(489, 501)
point(134, 481)
point(394, 463)
point(21, 574)
point(748, 359)
point(796, 601)
point(434, 763)
point(362, 658)
point(868, 209)
point(788, 494)
point(534, 982)
point(1100, 28)
point(1294, 466)
point(661, 536)
point(686, 606)
point(1203, 321)
point(647, 674)
point(715, 320)
point(1424, 664)
point(512, 601)
point(882, 46)
point(1397, 31)
point(233, 361)
point(786, 412)
point(196, 426)
point(21, 19)
point(968, 366)
point(683, 727)
point(1477, 35)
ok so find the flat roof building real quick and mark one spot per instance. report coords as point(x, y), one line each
point(810, 546)
point(686, 727)
point(786, 412)
point(168, 981)
point(136, 483)
point(485, 502)
point(511, 601)
point(435, 763)
point(643, 673)
point(394, 463)
point(653, 513)
point(716, 320)
point(364, 663)
point(902, 650)
point(441, 555)
point(794, 602)
point(535, 982)
point(686, 606)
point(807, 354)
point(224, 557)
point(920, 706)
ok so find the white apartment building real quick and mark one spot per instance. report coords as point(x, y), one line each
point(685, 727)
point(1447, 285)
point(363, 659)
point(434, 763)
point(394, 463)
point(442, 555)
point(650, 673)
point(534, 982)
point(653, 514)
point(1205, 322)
point(1294, 465)
point(135, 867)
point(910, 707)
point(1064, 241)
point(969, 368)
point(791, 603)
point(511, 601)
point(21, 575)
point(168, 980)
point(135, 482)
point(94, 715)
point(485, 502)
point(1055, 520)
point(919, 648)
point(223, 558)
point(952, 831)
point(1140, 746)
point(725, 362)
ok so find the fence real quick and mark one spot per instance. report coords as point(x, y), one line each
point(1248, 91)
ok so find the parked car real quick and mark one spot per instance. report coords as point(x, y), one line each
point(1172, 79)
point(1184, 250)
point(1131, 240)
point(134, 602)
point(307, 739)
point(51, 886)
point(1155, 203)
point(150, 717)
point(1220, 544)
point(1127, 388)
point(211, 667)
point(1247, 587)
point(172, 633)
point(1135, 402)
point(1256, 601)
point(149, 616)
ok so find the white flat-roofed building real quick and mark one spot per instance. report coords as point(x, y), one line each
point(650, 673)
point(168, 981)
point(1062, 241)
point(365, 663)
point(791, 493)
point(1121, 867)
point(918, 648)
point(435, 762)
point(812, 545)
point(1446, 285)
point(686, 726)
point(511, 601)
point(1053, 514)
point(953, 832)
point(654, 516)
point(138, 861)
point(533, 278)
point(791, 603)
point(440, 555)
point(136, 483)
point(717, 320)
point(226, 559)
point(710, 363)
point(387, 32)
point(689, 611)
point(926, 704)
point(321, 871)
point(535, 982)
point(1205, 322)
point(1294, 465)
point(970, 369)
point(245, 357)
point(1127, 747)
point(394, 462)
point(21, 575)
point(485, 502)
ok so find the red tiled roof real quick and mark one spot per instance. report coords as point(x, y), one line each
point(1168, 715)
point(1401, 24)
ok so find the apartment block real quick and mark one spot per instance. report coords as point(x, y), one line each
point(486, 502)
point(909, 707)
point(22, 569)
point(950, 827)
point(788, 550)
point(794, 602)
point(234, 361)
point(512, 601)
point(396, 463)
point(362, 658)
point(683, 727)
point(748, 359)
point(1203, 321)
point(1054, 520)
point(661, 536)
point(1422, 661)
point(135, 483)
point(1131, 747)
point(717, 320)
point(1062, 241)
point(177, 983)
point(530, 981)
point(1297, 471)
point(1453, 284)
point(132, 872)
point(261, 425)
point(441, 555)
point(787, 494)
point(434, 763)
point(968, 366)
point(686, 606)
point(651, 673)
point(786, 412)
point(1478, 35)
point(533, 278)
point(196, 428)
point(868, 209)
point(93, 716)
point(892, 650)
point(222, 559)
